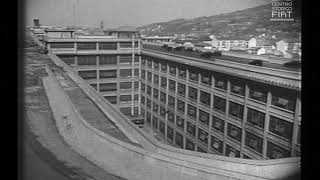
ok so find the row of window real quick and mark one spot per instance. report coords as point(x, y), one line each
point(255, 118)
point(92, 74)
point(252, 142)
point(122, 98)
point(282, 98)
point(93, 45)
point(103, 59)
point(113, 86)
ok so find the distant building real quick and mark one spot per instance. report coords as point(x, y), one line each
point(259, 42)
point(36, 22)
point(228, 44)
point(157, 38)
point(288, 46)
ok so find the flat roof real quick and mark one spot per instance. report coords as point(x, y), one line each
point(58, 30)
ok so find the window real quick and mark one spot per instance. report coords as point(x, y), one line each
point(125, 59)
point(107, 46)
point(203, 136)
point(136, 72)
point(180, 122)
point(163, 67)
point(143, 74)
point(182, 73)
point(206, 79)
point(143, 60)
point(220, 83)
point(88, 74)
point(179, 140)
point(282, 100)
point(172, 85)
point(219, 104)
point(190, 145)
point(86, 46)
point(255, 118)
point(148, 103)
point(155, 107)
point(193, 76)
point(108, 87)
point(276, 152)
point(171, 101)
point(258, 93)
point(170, 133)
point(67, 59)
point(126, 110)
point(170, 116)
point(234, 132)
point(172, 70)
point(192, 111)
point(149, 90)
point(125, 44)
point(155, 79)
point(125, 85)
point(163, 97)
point(149, 63)
point(205, 98)
point(107, 73)
point(217, 124)
point(235, 110)
point(149, 77)
point(163, 82)
point(155, 93)
point(162, 127)
point(237, 88)
point(156, 65)
point(204, 117)
point(143, 87)
point(216, 144)
point(125, 98)
point(162, 112)
point(191, 129)
point(136, 97)
point(281, 127)
point(107, 59)
point(232, 152)
point(193, 93)
point(181, 89)
point(111, 99)
point(154, 122)
point(143, 99)
point(58, 45)
point(253, 142)
point(148, 117)
point(126, 73)
point(180, 105)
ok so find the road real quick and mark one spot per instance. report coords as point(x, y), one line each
point(37, 169)
point(224, 57)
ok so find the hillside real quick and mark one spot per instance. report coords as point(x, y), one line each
point(242, 24)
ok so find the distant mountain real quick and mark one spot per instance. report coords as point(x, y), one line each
point(242, 24)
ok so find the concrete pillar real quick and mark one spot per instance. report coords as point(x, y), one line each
point(266, 125)
point(295, 126)
point(226, 117)
point(244, 120)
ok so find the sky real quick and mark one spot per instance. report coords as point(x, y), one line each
point(116, 13)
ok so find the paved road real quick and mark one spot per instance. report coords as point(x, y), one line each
point(37, 169)
point(228, 58)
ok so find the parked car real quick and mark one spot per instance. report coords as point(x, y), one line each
point(217, 53)
point(293, 64)
point(206, 55)
point(179, 48)
point(256, 62)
